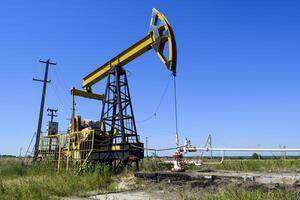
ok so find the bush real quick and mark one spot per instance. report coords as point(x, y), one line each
point(256, 156)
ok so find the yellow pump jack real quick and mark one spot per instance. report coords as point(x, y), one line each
point(115, 139)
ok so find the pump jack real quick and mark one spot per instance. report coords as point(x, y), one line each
point(117, 119)
point(115, 139)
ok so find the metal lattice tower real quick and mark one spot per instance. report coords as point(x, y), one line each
point(117, 116)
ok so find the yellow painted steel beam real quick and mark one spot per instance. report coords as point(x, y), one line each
point(85, 94)
point(122, 59)
point(160, 34)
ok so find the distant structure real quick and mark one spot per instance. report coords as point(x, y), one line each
point(52, 127)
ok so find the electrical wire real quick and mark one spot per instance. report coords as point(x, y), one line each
point(57, 88)
point(60, 85)
point(55, 92)
point(62, 81)
point(147, 119)
point(159, 103)
point(128, 73)
point(30, 144)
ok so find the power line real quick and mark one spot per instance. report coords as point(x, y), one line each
point(61, 80)
point(30, 144)
point(159, 103)
point(59, 87)
point(62, 84)
point(60, 98)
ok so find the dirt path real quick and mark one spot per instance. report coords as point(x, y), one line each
point(132, 195)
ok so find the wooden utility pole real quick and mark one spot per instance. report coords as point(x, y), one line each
point(51, 114)
point(147, 147)
point(45, 81)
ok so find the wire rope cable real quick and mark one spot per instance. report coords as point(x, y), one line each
point(176, 113)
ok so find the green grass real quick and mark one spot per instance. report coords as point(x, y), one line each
point(37, 181)
point(235, 193)
point(268, 165)
point(289, 165)
point(153, 164)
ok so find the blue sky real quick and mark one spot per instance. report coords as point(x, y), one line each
point(238, 68)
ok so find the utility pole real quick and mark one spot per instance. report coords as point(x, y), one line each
point(51, 125)
point(284, 153)
point(45, 81)
point(147, 147)
point(73, 112)
point(51, 114)
point(210, 145)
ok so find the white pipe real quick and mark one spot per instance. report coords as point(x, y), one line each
point(245, 149)
point(216, 163)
